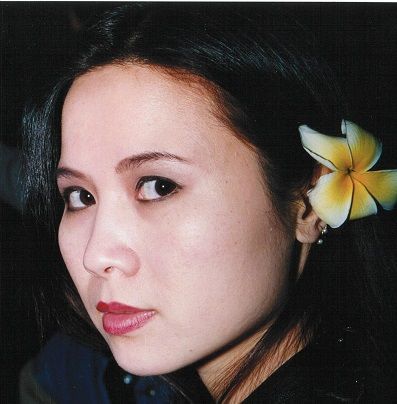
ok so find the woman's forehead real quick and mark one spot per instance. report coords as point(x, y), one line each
point(141, 89)
point(126, 110)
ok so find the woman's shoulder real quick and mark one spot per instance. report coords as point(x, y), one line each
point(332, 369)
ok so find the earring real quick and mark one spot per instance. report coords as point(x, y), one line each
point(324, 231)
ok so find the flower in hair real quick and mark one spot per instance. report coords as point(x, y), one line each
point(349, 191)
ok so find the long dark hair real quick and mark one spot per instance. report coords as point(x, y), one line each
point(264, 73)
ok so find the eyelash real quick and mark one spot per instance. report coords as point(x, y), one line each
point(66, 194)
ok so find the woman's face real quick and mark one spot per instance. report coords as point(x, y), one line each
point(168, 231)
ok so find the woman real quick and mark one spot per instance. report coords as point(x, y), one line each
point(193, 206)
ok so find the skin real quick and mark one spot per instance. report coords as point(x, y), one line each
point(211, 258)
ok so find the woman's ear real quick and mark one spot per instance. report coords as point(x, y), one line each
point(308, 230)
point(308, 224)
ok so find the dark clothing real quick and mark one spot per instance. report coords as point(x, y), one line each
point(329, 370)
point(324, 372)
point(66, 372)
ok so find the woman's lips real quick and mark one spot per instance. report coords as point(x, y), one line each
point(119, 319)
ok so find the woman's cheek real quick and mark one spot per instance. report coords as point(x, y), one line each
point(196, 254)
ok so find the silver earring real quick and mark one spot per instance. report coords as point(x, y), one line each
point(324, 231)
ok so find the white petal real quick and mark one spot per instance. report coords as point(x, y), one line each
point(382, 185)
point(365, 148)
point(363, 204)
point(331, 151)
point(343, 127)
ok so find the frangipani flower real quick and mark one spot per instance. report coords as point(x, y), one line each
point(349, 190)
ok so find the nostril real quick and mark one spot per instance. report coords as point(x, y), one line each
point(105, 255)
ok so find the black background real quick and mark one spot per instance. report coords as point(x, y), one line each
point(358, 40)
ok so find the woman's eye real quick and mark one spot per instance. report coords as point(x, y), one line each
point(77, 198)
point(152, 188)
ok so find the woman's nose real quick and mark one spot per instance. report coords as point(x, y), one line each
point(110, 247)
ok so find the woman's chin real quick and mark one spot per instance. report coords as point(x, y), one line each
point(143, 361)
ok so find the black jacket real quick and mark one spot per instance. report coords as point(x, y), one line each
point(332, 369)
point(329, 370)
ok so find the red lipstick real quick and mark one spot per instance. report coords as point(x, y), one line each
point(119, 319)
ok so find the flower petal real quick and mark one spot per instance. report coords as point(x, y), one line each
point(343, 126)
point(365, 148)
point(382, 185)
point(363, 204)
point(331, 198)
point(331, 151)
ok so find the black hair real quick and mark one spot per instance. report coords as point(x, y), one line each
point(268, 78)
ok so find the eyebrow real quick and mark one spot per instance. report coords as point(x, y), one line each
point(139, 159)
point(125, 164)
point(65, 172)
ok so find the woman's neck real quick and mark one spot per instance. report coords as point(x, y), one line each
point(220, 370)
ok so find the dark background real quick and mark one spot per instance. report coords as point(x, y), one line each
point(358, 40)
